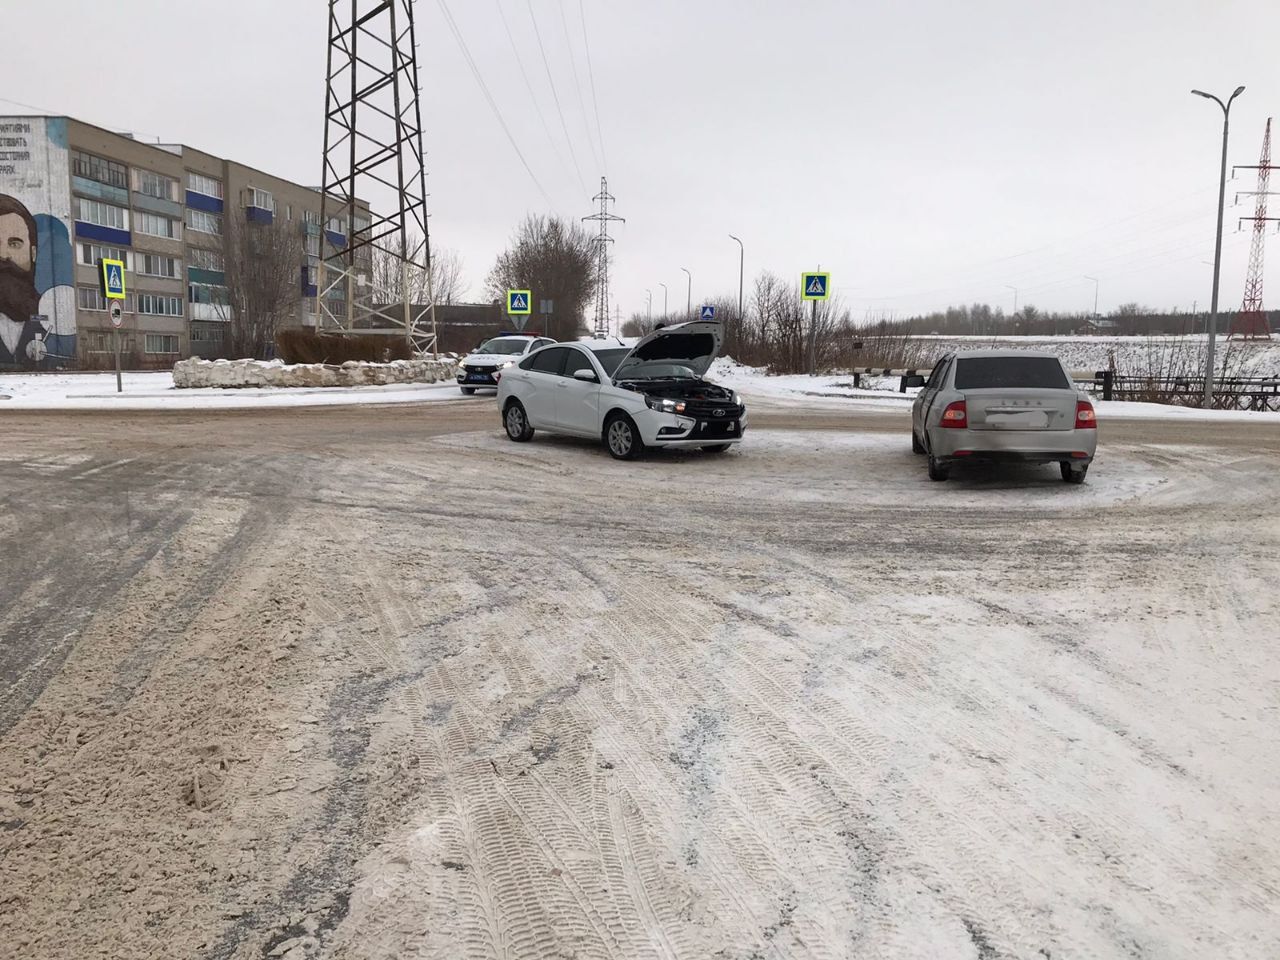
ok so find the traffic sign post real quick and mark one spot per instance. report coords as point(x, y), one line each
point(117, 318)
point(706, 312)
point(814, 287)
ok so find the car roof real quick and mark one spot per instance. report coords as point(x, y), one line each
point(515, 336)
point(610, 343)
point(974, 354)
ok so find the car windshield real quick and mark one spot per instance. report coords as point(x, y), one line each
point(506, 347)
point(660, 370)
point(981, 373)
point(609, 359)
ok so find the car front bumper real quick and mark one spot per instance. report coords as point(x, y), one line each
point(1025, 446)
point(671, 430)
point(477, 378)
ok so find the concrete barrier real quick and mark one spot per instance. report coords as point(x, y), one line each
point(233, 374)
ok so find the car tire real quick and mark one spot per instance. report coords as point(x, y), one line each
point(938, 470)
point(716, 447)
point(622, 438)
point(1073, 474)
point(516, 422)
point(468, 391)
point(916, 445)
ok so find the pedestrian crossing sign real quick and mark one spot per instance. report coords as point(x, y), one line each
point(708, 312)
point(112, 279)
point(814, 286)
point(520, 302)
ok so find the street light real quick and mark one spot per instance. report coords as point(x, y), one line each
point(664, 299)
point(688, 298)
point(1015, 299)
point(1217, 249)
point(649, 309)
point(742, 256)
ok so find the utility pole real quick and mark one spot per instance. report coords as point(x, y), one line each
point(1251, 323)
point(742, 259)
point(688, 298)
point(602, 241)
point(1217, 250)
point(373, 143)
point(1095, 296)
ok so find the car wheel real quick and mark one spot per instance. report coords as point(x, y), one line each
point(622, 438)
point(468, 390)
point(916, 445)
point(1073, 474)
point(938, 470)
point(716, 447)
point(517, 423)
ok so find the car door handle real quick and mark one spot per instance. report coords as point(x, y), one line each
point(562, 385)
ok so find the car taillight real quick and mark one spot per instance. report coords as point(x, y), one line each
point(956, 416)
point(1086, 419)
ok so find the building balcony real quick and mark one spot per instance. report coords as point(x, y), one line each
point(259, 215)
point(199, 201)
point(209, 312)
point(100, 191)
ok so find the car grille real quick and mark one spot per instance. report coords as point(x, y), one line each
point(712, 410)
point(472, 368)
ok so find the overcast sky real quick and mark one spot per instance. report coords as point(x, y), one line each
point(926, 153)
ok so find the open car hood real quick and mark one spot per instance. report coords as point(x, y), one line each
point(694, 345)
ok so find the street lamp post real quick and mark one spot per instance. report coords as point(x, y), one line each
point(1015, 302)
point(1095, 296)
point(664, 300)
point(688, 297)
point(742, 258)
point(649, 308)
point(1217, 248)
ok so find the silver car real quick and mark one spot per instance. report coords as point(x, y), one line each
point(1010, 405)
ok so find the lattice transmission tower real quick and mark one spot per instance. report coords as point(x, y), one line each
point(1251, 322)
point(371, 266)
point(602, 241)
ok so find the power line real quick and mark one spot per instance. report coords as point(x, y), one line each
point(555, 96)
point(577, 83)
point(537, 106)
point(484, 88)
point(595, 103)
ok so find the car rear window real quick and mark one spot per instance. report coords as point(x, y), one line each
point(980, 373)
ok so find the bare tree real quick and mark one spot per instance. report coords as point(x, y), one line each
point(264, 284)
point(554, 259)
point(390, 276)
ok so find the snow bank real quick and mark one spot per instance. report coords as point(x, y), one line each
point(196, 372)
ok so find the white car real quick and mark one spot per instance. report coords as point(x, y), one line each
point(477, 369)
point(632, 398)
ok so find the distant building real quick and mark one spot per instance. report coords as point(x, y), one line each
point(1099, 328)
point(71, 193)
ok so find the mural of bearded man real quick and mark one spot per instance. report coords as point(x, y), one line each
point(21, 336)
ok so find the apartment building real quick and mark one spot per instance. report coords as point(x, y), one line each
point(174, 214)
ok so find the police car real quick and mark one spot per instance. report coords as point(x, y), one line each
point(476, 370)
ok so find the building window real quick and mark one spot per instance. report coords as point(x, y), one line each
point(311, 217)
point(206, 259)
point(288, 211)
point(97, 342)
point(102, 214)
point(261, 199)
point(207, 293)
point(208, 186)
point(210, 335)
point(155, 305)
point(154, 225)
point(312, 246)
point(334, 225)
point(96, 168)
point(91, 253)
point(91, 298)
point(202, 222)
point(161, 343)
point(155, 185)
point(154, 265)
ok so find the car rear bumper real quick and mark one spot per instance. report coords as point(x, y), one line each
point(1025, 446)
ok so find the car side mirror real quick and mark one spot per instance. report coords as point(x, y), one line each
point(585, 374)
point(913, 380)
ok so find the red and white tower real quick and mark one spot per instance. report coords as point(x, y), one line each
point(1251, 321)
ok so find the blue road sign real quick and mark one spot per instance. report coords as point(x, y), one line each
point(112, 279)
point(708, 312)
point(519, 302)
point(813, 286)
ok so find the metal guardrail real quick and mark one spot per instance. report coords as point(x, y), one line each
point(1229, 393)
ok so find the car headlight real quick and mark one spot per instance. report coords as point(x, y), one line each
point(665, 405)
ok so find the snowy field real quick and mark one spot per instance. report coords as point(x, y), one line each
point(154, 390)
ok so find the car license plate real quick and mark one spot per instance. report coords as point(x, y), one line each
point(478, 376)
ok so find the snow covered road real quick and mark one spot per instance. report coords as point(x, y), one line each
point(378, 683)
